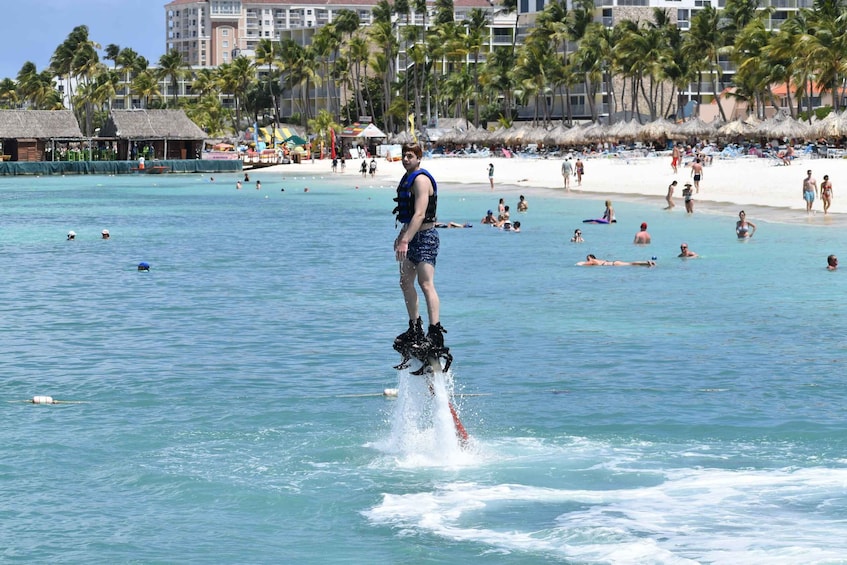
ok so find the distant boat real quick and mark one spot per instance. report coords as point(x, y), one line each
point(157, 170)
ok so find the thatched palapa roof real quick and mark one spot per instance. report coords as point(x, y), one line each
point(151, 124)
point(38, 124)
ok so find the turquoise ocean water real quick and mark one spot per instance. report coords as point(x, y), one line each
point(231, 407)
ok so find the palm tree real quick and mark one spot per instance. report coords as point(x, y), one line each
point(112, 53)
point(476, 24)
point(828, 44)
point(752, 75)
point(206, 81)
point(36, 88)
point(145, 85)
point(322, 124)
point(173, 66)
point(236, 78)
point(382, 33)
point(358, 51)
point(8, 94)
point(75, 59)
point(705, 41)
point(499, 77)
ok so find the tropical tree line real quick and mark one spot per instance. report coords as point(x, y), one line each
point(634, 68)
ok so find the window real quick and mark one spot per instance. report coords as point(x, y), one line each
point(225, 44)
point(225, 32)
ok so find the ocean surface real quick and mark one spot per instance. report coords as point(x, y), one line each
point(228, 404)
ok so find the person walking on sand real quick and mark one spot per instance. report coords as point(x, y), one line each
point(675, 158)
point(416, 249)
point(810, 190)
point(642, 237)
point(688, 196)
point(669, 197)
point(826, 194)
point(491, 175)
point(580, 170)
point(567, 171)
point(697, 174)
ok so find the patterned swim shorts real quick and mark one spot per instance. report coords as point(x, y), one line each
point(424, 247)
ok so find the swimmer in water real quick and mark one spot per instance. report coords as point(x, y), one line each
point(592, 261)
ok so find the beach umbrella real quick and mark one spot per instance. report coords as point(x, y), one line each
point(554, 136)
point(735, 128)
point(536, 135)
point(515, 135)
point(781, 126)
point(498, 135)
point(624, 130)
point(695, 128)
point(833, 125)
point(595, 132)
point(575, 135)
point(657, 130)
point(480, 135)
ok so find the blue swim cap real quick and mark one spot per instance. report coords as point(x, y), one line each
point(143, 266)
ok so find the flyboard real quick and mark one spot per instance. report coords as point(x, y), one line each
point(430, 357)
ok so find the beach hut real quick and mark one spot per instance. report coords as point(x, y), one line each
point(154, 134)
point(33, 135)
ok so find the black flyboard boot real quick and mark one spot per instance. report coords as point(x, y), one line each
point(409, 341)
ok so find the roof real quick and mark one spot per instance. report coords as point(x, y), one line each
point(38, 124)
point(336, 4)
point(362, 130)
point(151, 124)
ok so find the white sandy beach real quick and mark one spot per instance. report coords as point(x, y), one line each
point(773, 192)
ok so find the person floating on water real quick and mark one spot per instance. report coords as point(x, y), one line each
point(592, 261)
point(416, 249)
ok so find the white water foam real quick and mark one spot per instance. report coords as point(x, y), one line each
point(423, 433)
point(777, 516)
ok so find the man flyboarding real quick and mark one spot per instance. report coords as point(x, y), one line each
point(416, 249)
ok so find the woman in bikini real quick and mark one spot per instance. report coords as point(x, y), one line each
point(826, 193)
point(743, 228)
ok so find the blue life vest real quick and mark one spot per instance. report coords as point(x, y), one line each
point(406, 201)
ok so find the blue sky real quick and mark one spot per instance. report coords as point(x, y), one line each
point(28, 36)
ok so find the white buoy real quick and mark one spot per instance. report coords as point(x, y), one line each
point(42, 400)
point(391, 392)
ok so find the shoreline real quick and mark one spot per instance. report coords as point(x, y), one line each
point(768, 192)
